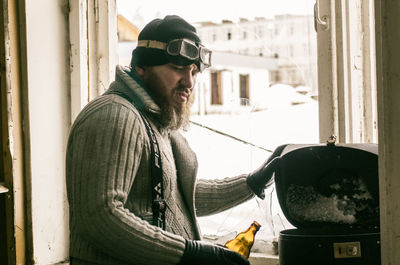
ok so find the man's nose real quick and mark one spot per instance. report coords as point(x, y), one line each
point(188, 79)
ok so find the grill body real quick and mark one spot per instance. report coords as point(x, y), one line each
point(330, 193)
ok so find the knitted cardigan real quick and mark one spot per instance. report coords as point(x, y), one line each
point(109, 183)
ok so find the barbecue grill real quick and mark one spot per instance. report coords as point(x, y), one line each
point(330, 194)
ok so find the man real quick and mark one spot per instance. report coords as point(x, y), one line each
point(126, 205)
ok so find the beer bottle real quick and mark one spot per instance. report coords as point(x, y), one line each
point(243, 242)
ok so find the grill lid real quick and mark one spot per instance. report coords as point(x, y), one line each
point(329, 185)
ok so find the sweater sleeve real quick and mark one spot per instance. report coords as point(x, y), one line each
point(103, 155)
point(214, 196)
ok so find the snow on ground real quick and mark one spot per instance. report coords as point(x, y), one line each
point(220, 156)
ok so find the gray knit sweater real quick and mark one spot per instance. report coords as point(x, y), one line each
point(109, 183)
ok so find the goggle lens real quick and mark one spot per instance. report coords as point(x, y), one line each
point(205, 56)
point(183, 48)
point(174, 48)
point(189, 51)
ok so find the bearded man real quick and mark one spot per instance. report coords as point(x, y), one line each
point(131, 176)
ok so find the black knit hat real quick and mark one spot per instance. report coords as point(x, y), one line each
point(163, 30)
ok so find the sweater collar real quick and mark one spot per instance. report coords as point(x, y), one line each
point(135, 85)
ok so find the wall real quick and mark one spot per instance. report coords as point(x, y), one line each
point(231, 66)
point(230, 77)
point(49, 115)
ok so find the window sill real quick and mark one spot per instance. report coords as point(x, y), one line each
point(263, 259)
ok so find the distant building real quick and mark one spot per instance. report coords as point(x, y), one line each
point(289, 38)
point(127, 39)
point(125, 52)
point(126, 30)
point(235, 81)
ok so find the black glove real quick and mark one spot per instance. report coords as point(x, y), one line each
point(203, 253)
point(261, 178)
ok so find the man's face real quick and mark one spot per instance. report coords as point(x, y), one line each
point(171, 87)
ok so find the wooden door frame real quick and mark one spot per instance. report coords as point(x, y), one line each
point(14, 129)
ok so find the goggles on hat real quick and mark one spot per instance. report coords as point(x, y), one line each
point(181, 47)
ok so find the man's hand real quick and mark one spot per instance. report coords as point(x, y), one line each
point(261, 178)
point(201, 253)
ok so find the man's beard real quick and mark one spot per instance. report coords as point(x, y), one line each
point(175, 115)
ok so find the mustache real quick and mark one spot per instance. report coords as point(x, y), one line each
point(183, 89)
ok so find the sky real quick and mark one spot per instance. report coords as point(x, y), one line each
point(210, 10)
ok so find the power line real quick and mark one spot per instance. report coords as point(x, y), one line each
point(230, 136)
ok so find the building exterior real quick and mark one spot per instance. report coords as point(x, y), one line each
point(289, 38)
point(235, 81)
point(126, 30)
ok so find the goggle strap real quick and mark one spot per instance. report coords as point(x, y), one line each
point(152, 44)
point(163, 46)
